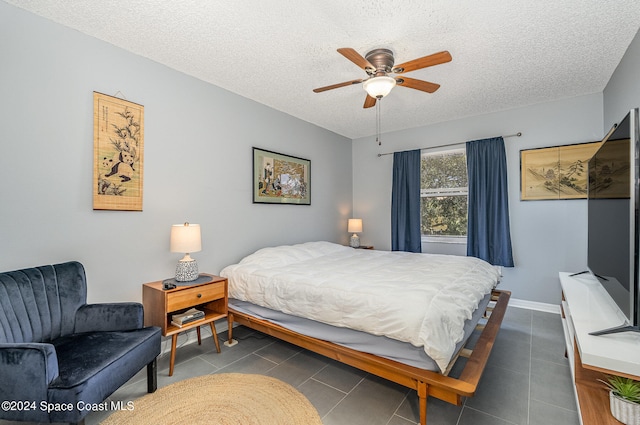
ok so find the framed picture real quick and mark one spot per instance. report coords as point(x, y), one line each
point(558, 172)
point(610, 179)
point(280, 179)
point(118, 148)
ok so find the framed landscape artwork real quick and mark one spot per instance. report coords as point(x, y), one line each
point(118, 148)
point(611, 177)
point(558, 172)
point(280, 178)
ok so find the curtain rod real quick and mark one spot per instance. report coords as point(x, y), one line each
point(518, 134)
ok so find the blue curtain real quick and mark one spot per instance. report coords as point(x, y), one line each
point(488, 234)
point(405, 202)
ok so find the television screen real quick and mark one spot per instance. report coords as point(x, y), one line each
point(612, 215)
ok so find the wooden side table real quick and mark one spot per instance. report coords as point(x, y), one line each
point(159, 305)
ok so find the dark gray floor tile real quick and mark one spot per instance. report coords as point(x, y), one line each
point(278, 351)
point(397, 420)
point(543, 320)
point(187, 369)
point(249, 364)
point(547, 414)
point(548, 338)
point(187, 352)
point(130, 391)
point(518, 318)
point(297, 369)
point(340, 376)
point(372, 402)
point(502, 393)
point(512, 350)
point(514, 335)
point(438, 412)
point(245, 346)
point(323, 397)
point(475, 417)
point(551, 384)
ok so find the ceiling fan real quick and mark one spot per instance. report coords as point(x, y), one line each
point(378, 64)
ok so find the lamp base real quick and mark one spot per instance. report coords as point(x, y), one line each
point(186, 271)
point(354, 242)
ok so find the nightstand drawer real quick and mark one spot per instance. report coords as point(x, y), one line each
point(193, 296)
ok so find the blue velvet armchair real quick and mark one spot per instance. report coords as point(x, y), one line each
point(59, 355)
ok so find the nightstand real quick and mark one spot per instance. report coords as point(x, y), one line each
point(365, 247)
point(159, 305)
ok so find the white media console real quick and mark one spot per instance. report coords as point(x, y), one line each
point(586, 307)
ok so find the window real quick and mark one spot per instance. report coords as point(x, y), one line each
point(443, 193)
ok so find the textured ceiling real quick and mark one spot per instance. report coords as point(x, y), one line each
point(506, 54)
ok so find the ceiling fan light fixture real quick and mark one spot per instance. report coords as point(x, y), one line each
point(379, 87)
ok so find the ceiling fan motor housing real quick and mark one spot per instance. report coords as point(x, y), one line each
point(382, 59)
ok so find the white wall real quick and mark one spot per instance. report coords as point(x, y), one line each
point(197, 168)
point(547, 236)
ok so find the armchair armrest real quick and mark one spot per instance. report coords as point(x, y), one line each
point(109, 317)
point(26, 370)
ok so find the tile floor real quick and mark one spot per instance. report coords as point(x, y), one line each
point(527, 380)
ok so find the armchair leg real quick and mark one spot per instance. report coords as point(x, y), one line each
point(152, 376)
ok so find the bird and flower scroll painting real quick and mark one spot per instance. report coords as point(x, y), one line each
point(118, 147)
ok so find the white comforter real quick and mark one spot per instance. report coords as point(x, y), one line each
point(422, 299)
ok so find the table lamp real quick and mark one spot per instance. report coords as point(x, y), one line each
point(186, 238)
point(355, 227)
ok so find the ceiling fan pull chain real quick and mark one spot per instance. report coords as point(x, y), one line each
point(378, 122)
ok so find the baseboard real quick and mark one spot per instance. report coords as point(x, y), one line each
point(533, 305)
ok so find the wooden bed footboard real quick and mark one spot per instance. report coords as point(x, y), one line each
point(426, 383)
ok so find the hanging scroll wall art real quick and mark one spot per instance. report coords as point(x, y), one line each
point(118, 153)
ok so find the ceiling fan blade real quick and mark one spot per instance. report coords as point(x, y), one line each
point(431, 60)
point(369, 102)
point(335, 86)
point(412, 83)
point(356, 58)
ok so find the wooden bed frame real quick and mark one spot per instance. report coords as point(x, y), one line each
point(425, 382)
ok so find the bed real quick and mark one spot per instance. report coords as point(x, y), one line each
point(402, 316)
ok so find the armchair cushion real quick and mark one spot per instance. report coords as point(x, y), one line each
point(82, 356)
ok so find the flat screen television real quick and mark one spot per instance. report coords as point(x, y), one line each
point(613, 200)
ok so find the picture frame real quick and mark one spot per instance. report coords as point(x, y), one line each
point(118, 153)
point(280, 179)
point(555, 173)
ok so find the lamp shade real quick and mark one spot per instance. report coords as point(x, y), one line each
point(185, 238)
point(379, 87)
point(355, 225)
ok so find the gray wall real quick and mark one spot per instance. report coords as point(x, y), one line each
point(198, 141)
point(623, 91)
point(547, 236)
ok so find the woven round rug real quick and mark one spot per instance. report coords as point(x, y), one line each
point(225, 399)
